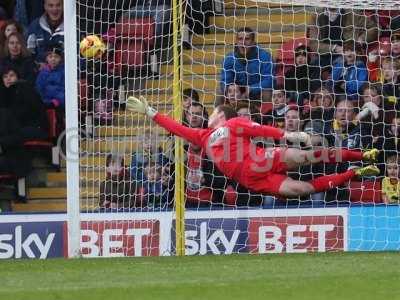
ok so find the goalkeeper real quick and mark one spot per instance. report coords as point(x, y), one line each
point(227, 141)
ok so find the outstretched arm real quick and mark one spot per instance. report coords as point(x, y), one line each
point(252, 129)
point(190, 134)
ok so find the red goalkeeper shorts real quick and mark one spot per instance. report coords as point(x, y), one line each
point(266, 180)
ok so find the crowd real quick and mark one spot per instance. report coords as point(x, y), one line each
point(341, 84)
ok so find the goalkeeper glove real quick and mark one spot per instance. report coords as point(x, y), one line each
point(298, 137)
point(140, 106)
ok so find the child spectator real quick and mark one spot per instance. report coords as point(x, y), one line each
point(303, 77)
point(350, 73)
point(118, 191)
point(391, 183)
point(18, 56)
point(391, 81)
point(22, 100)
point(51, 80)
point(11, 26)
point(155, 189)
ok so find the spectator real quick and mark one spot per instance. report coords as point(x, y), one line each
point(204, 183)
point(247, 110)
point(391, 183)
point(344, 132)
point(151, 154)
point(233, 93)
point(51, 80)
point(153, 188)
point(13, 158)
point(276, 117)
point(332, 27)
point(118, 191)
point(46, 30)
point(303, 77)
point(11, 26)
point(189, 96)
point(349, 74)
point(21, 99)
point(388, 142)
point(391, 82)
point(27, 11)
point(249, 66)
point(293, 123)
point(18, 56)
point(395, 44)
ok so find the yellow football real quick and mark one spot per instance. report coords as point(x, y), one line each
point(92, 47)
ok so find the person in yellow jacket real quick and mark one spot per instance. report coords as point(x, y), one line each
point(391, 183)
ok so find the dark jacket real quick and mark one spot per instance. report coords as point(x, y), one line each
point(25, 66)
point(51, 84)
point(13, 157)
point(302, 80)
point(25, 104)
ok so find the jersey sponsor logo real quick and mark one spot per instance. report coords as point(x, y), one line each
point(218, 135)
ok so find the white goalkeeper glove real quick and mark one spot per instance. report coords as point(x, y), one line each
point(298, 137)
point(368, 108)
point(140, 106)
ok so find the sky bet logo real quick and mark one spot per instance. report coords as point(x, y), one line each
point(31, 240)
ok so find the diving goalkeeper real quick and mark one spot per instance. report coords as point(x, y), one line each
point(227, 142)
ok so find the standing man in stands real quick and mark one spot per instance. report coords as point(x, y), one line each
point(46, 30)
point(249, 66)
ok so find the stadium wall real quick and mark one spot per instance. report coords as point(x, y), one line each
point(218, 232)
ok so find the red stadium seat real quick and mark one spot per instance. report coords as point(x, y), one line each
point(50, 142)
point(133, 39)
point(365, 191)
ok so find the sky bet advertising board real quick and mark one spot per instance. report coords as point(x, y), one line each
point(153, 234)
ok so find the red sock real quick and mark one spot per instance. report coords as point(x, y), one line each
point(327, 182)
point(338, 155)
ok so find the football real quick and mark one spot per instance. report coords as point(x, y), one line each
point(92, 46)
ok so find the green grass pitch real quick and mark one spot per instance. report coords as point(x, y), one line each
point(289, 276)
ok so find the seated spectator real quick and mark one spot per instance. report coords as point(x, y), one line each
point(18, 56)
point(344, 132)
point(389, 142)
point(155, 193)
point(50, 82)
point(204, 183)
point(395, 40)
point(189, 96)
point(11, 26)
point(329, 28)
point(350, 73)
point(276, 117)
point(391, 82)
point(21, 99)
point(233, 93)
point(150, 154)
point(320, 106)
point(391, 182)
point(46, 30)
point(303, 77)
point(250, 66)
point(13, 157)
point(118, 191)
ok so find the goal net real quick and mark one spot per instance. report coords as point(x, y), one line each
point(328, 68)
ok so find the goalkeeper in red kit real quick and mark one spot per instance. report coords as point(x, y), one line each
point(227, 142)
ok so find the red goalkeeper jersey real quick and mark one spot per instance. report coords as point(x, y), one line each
point(230, 147)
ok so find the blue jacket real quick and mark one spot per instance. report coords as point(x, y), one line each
point(51, 85)
point(40, 37)
point(255, 72)
point(353, 75)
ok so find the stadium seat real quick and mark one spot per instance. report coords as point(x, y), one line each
point(365, 191)
point(134, 38)
point(19, 182)
point(50, 142)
